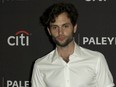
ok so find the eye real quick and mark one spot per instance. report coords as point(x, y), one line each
point(54, 27)
point(66, 26)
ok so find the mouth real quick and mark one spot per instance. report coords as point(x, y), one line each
point(60, 38)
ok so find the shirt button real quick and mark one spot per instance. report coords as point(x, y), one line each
point(67, 80)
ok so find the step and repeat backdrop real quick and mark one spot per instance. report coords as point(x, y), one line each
point(23, 39)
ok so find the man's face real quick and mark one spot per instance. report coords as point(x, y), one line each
point(62, 30)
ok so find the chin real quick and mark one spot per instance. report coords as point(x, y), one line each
point(62, 44)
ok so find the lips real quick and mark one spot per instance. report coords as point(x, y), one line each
point(61, 38)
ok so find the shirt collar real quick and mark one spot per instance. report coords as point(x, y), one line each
point(76, 53)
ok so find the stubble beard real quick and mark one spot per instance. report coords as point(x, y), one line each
point(63, 43)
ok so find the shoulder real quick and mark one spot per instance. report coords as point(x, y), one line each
point(45, 59)
point(90, 53)
point(94, 58)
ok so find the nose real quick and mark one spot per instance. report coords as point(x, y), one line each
point(60, 31)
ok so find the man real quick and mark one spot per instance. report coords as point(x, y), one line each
point(69, 65)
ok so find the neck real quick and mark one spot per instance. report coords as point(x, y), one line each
point(66, 51)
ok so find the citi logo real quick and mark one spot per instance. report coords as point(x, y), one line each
point(21, 38)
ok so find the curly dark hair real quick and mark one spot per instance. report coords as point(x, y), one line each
point(56, 9)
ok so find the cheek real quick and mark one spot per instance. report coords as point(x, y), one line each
point(68, 32)
point(54, 34)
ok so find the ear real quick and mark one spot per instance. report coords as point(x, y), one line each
point(49, 31)
point(75, 28)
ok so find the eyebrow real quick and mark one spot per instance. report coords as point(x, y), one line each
point(57, 25)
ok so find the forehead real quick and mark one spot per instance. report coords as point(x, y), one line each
point(61, 19)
